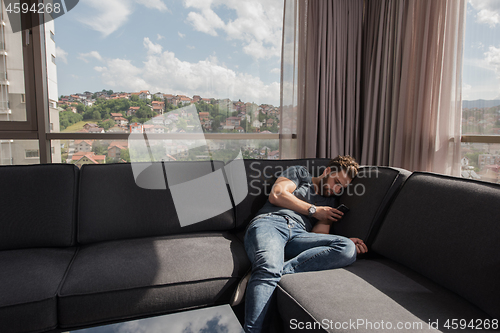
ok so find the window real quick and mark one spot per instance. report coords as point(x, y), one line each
point(53, 58)
point(52, 36)
point(155, 71)
point(481, 93)
point(30, 153)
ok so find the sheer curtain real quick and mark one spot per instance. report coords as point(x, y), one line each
point(379, 80)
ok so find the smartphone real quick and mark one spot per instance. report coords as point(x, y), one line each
point(343, 208)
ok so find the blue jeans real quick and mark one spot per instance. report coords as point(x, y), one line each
point(278, 245)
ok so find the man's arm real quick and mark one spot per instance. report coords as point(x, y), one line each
point(282, 195)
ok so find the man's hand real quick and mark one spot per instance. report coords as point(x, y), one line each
point(360, 246)
point(326, 213)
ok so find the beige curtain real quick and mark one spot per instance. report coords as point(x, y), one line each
point(325, 54)
point(379, 80)
point(412, 84)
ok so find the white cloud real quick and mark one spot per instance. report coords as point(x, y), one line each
point(208, 21)
point(181, 35)
point(155, 4)
point(276, 70)
point(108, 16)
point(92, 54)
point(488, 11)
point(258, 24)
point(162, 71)
point(190, 47)
point(160, 37)
point(61, 55)
point(493, 59)
point(152, 47)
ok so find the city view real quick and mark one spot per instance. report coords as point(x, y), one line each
point(142, 112)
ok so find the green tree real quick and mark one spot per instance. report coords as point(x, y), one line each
point(125, 155)
point(80, 108)
point(98, 148)
point(68, 118)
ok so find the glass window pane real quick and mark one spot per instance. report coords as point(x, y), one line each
point(133, 63)
point(481, 161)
point(12, 89)
point(481, 70)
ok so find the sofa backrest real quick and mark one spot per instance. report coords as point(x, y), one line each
point(37, 206)
point(368, 197)
point(261, 175)
point(447, 229)
point(112, 206)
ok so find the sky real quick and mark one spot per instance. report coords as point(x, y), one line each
point(481, 64)
point(212, 48)
point(217, 48)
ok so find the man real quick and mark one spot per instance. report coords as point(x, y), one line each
point(290, 234)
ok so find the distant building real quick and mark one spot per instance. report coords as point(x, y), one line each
point(82, 158)
point(83, 145)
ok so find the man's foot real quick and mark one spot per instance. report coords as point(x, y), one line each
point(239, 293)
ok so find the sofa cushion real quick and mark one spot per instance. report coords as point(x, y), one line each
point(261, 175)
point(368, 197)
point(29, 280)
point(112, 206)
point(130, 278)
point(37, 206)
point(368, 296)
point(447, 229)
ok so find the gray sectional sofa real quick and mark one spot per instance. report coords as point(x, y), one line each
point(87, 247)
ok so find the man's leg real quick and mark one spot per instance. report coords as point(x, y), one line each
point(309, 251)
point(265, 242)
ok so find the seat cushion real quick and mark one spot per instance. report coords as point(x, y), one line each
point(130, 278)
point(37, 206)
point(447, 229)
point(112, 206)
point(29, 280)
point(366, 295)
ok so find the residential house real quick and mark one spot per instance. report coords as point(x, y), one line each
point(115, 148)
point(83, 145)
point(88, 126)
point(270, 122)
point(144, 94)
point(82, 158)
point(136, 128)
point(184, 100)
point(233, 121)
point(274, 155)
point(256, 123)
point(121, 121)
point(158, 107)
point(170, 99)
point(132, 110)
point(89, 102)
point(96, 130)
point(117, 129)
point(204, 116)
